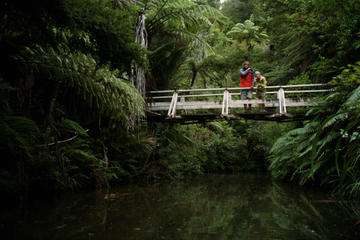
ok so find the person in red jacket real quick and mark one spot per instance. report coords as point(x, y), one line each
point(246, 80)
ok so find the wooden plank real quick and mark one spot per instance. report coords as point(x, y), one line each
point(160, 97)
point(238, 93)
point(201, 90)
point(288, 86)
point(302, 85)
point(193, 105)
point(308, 91)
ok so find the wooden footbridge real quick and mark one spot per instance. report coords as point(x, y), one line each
point(283, 103)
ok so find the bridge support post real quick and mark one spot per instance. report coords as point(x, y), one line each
point(172, 107)
point(282, 103)
point(225, 104)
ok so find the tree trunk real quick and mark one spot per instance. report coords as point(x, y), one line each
point(141, 37)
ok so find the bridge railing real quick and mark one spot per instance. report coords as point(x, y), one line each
point(281, 97)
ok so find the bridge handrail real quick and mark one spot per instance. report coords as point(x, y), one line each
point(241, 88)
point(238, 93)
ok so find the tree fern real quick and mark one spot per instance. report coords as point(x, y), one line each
point(249, 32)
point(161, 13)
point(97, 86)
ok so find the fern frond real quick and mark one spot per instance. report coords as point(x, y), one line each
point(99, 87)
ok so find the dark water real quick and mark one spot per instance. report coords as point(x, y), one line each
point(221, 207)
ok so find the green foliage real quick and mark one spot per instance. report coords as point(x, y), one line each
point(238, 10)
point(301, 79)
point(110, 29)
point(77, 74)
point(167, 15)
point(213, 147)
point(68, 162)
point(350, 76)
point(17, 132)
point(178, 30)
point(68, 112)
point(249, 33)
point(17, 135)
point(64, 90)
point(130, 155)
point(315, 36)
point(324, 150)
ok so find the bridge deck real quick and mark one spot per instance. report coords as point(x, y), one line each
point(197, 105)
point(200, 118)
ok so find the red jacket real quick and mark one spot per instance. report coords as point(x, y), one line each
point(247, 79)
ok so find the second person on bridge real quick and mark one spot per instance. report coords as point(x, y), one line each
point(247, 77)
point(260, 84)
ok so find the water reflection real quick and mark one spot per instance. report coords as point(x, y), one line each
point(246, 206)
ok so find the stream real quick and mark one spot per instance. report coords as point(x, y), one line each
point(212, 207)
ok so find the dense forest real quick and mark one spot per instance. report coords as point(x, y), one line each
point(71, 117)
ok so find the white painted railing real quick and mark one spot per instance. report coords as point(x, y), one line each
point(157, 100)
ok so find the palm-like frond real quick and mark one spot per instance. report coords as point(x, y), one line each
point(249, 32)
point(184, 12)
point(354, 98)
point(99, 88)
